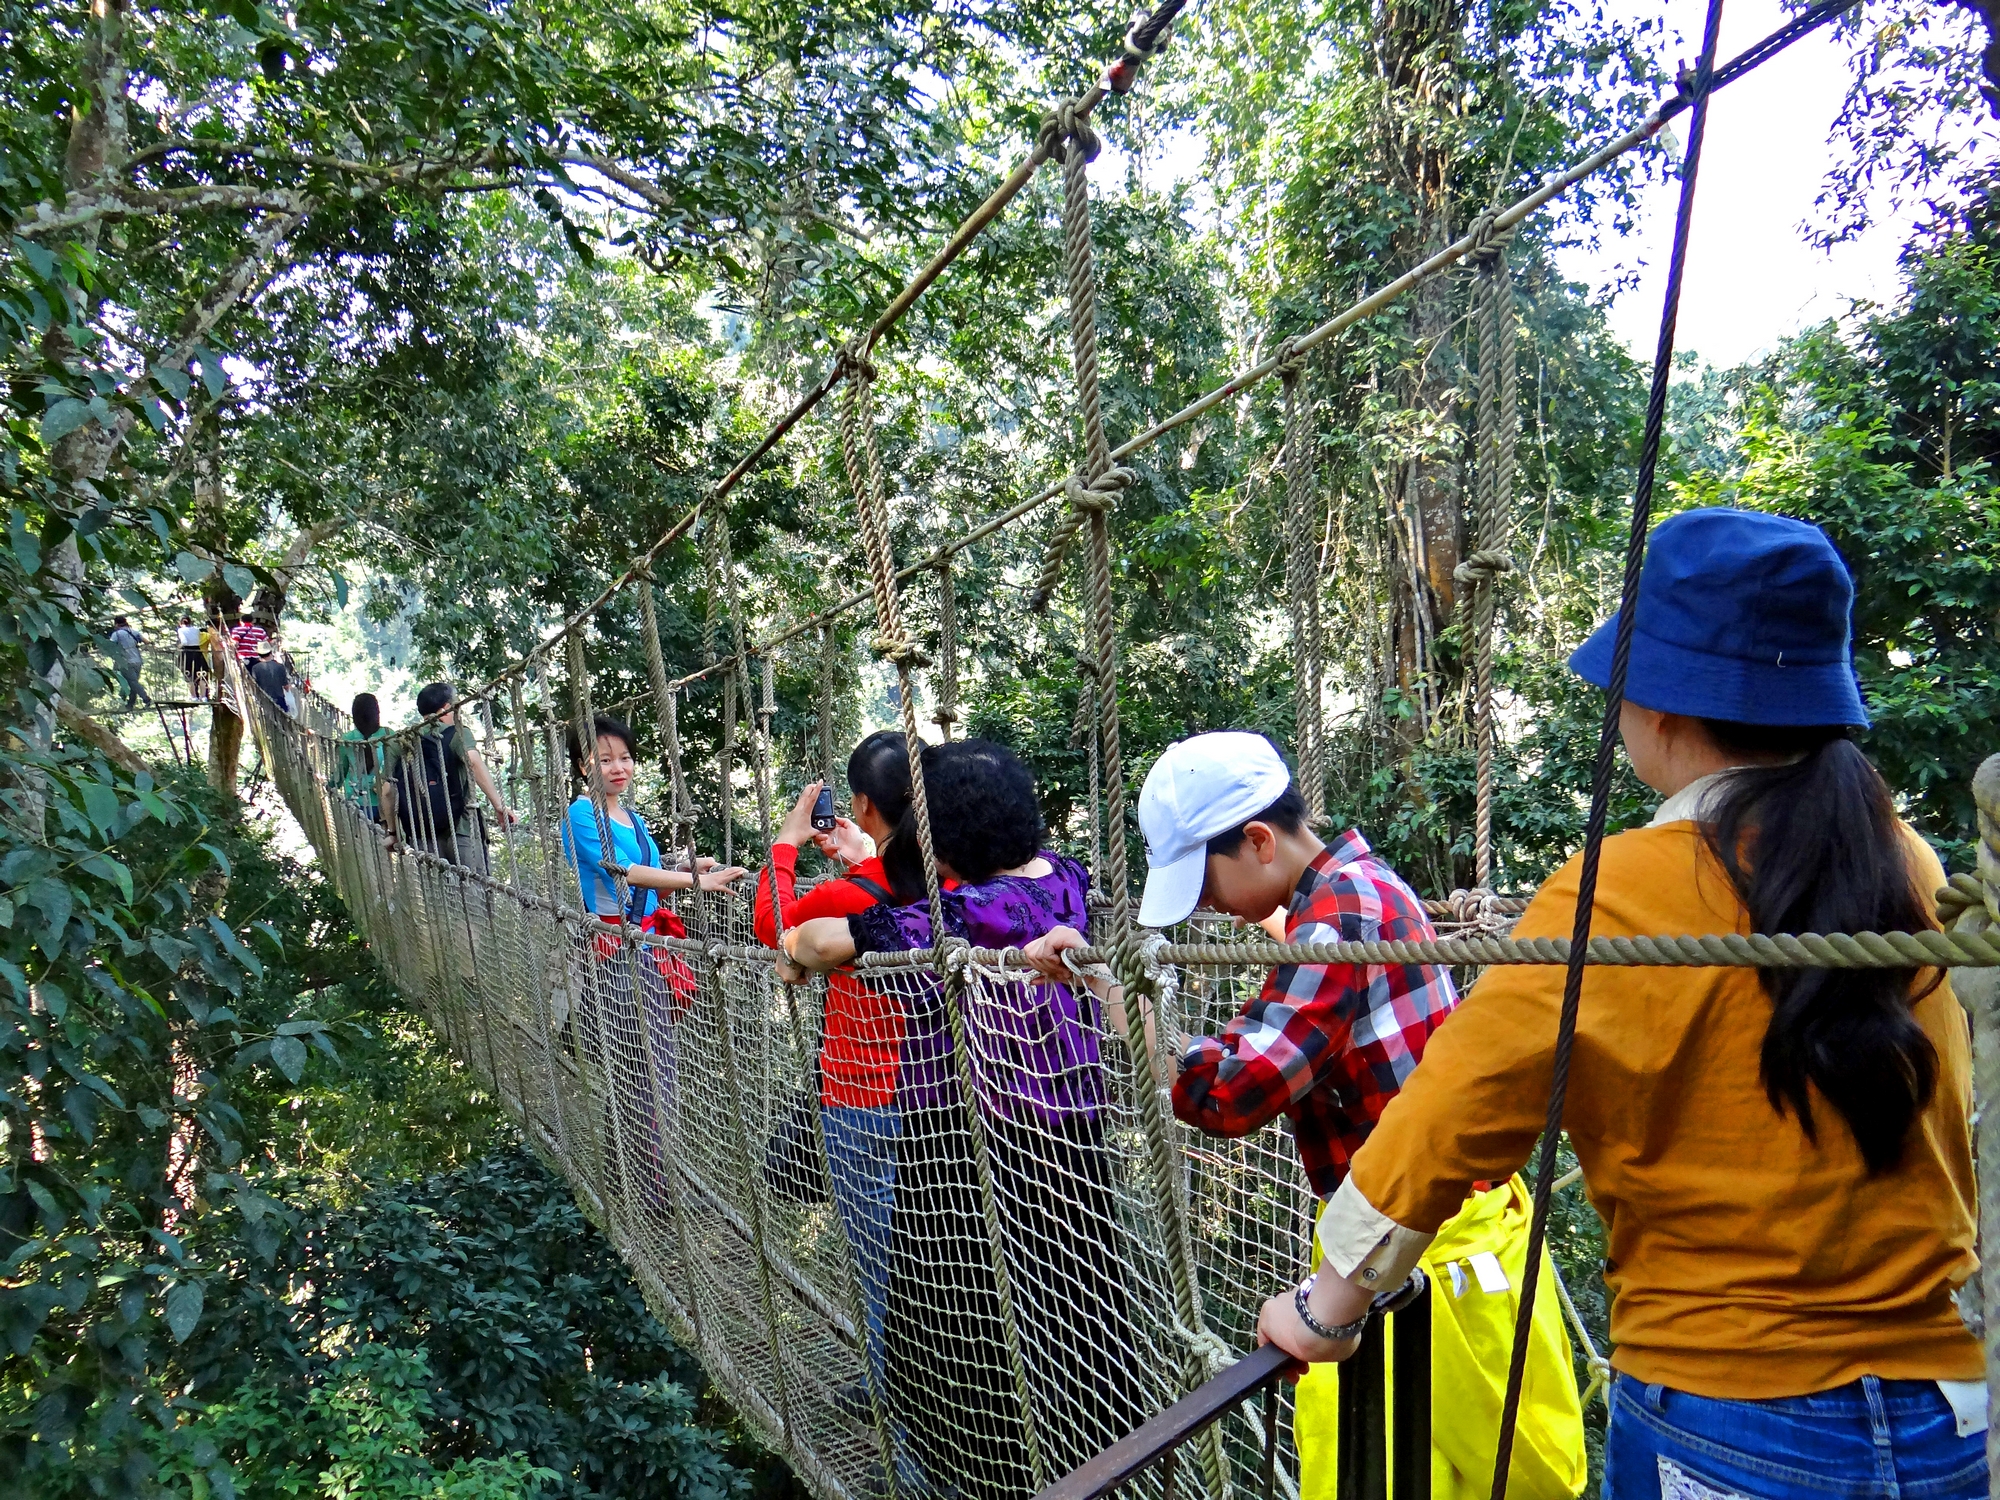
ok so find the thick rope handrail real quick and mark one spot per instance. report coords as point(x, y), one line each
point(1731, 950)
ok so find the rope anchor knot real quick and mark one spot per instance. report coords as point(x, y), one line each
point(1066, 124)
point(1482, 567)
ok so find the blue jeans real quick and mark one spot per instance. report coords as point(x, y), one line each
point(861, 1152)
point(1894, 1439)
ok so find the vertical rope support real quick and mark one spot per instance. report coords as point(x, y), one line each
point(863, 461)
point(947, 673)
point(521, 763)
point(726, 795)
point(1083, 736)
point(684, 809)
point(754, 1186)
point(1698, 85)
point(1075, 145)
point(1979, 990)
point(767, 709)
point(1493, 504)
point(1302, 582)
point(829, 666)
point(664, 706)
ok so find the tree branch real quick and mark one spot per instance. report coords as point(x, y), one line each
point(654, 194)
point(140, 204)
point(100, 739)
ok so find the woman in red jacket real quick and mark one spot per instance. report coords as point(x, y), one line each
point(862, 1043)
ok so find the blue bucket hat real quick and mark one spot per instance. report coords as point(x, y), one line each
point(1741, 616)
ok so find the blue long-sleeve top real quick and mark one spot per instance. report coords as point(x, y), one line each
point(631, 845)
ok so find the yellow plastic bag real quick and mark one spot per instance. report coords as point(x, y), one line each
point(1472, 1335)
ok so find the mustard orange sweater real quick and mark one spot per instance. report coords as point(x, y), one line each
point(1746, 1260)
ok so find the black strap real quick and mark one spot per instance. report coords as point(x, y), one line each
point(880, 892)
point(648, 855)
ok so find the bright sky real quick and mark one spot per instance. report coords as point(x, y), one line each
point(1751, 276)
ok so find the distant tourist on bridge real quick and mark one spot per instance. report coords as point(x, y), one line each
point(363, 756)
point(194, 662)
point(272, 675)
point(1041, 1095)
point(125, 643)
point(247, 637)
point(1782, 1157)
point(427, 796)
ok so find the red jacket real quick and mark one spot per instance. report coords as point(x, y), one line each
point(863, 1046)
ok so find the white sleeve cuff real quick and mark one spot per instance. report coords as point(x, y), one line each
point(1361, 1244)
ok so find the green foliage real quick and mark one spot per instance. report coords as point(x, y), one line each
point(485, 1284)
point(357, 1436)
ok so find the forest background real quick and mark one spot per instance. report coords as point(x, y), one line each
point(429, 315)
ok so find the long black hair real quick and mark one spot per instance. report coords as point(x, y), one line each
point(1814, 845)
point(879, 769)
point(984, 816)
point(367, 715)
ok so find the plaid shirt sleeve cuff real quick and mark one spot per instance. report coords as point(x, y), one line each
point(1361, 1244)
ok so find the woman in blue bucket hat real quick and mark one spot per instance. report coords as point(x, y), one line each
point(1782, 1159)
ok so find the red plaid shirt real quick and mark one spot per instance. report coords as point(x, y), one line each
point(1328, 1044)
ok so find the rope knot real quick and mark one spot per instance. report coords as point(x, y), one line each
point(1100, 493)
point(853, 358)
point(1145, 36)
point(1291, 362)
point(1482, 567)
point(901, 651)
point(1480, 908)
point(1208, 1345)
point(1488, 243)
point(1961, 894)
point(1068, 123)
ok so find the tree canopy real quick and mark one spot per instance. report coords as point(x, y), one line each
point(442, 311)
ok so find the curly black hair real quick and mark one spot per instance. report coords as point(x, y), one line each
point(984, 815)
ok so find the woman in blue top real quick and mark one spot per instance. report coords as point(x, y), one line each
point(631, 843)
point(640, 1065)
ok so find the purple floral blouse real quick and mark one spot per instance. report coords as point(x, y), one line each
point(1035, 1046)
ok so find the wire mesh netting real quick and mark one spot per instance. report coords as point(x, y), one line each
point(913, 1225)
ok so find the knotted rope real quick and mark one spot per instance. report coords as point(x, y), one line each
point(1085, 500)
point(1302, 579)
point(1481, 910)
point(680, 806)
point(946, 713)
point(1493, 500)
point(863, 460)
point(829, 664)
point(861, 456)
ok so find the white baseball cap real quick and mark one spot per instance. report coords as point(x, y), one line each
point(1201, 787)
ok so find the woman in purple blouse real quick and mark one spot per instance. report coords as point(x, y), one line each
point(1039, 1086)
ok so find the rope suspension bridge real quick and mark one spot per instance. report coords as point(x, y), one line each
point(672, 1079)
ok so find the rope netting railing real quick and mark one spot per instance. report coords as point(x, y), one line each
point(1007, 1255)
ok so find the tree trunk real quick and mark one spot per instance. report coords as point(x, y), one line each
point(225, 748)
point(1416, 50)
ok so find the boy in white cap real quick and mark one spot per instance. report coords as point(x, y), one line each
point(1328, 1044)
